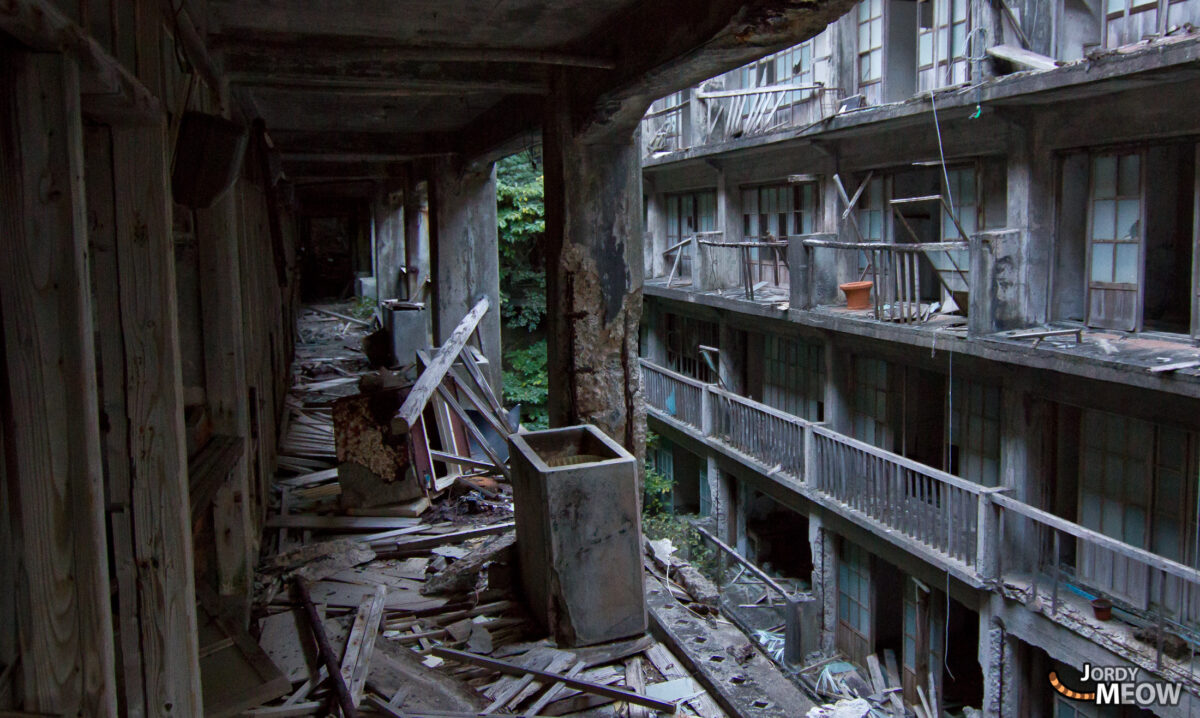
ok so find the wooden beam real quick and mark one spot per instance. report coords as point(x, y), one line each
point(154, 402)
point(431, 378)
point(388, 86)
point(109, 90)
point(49, 392)
point(571, 682)
point(239, 53)
point(350, 143)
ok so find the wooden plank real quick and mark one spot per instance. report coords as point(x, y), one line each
point(154, 400)
point(1175, 366)
point(576, 683)
point(340, 523)
point(431, 378)
point(55, 476)
point(357, 658)
point(666, 664)
point(474, 430)
point(424, 542)
point(635, 681)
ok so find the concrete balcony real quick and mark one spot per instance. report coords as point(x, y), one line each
point(978, 534)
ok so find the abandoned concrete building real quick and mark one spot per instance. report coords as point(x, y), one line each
point(921, 304)
point(904, 292)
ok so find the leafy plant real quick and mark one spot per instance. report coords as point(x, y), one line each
point(526, 383)
point(521, 216)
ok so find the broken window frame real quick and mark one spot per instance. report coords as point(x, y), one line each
point(974, 430)
point(947, 51)
point(1127, 315)
point(683, 336)
point(687, 214)
point(799, 214)
point(1123, 467)
point(869, 54)
point(855, 609)
point(871, 402)
point(794, 376)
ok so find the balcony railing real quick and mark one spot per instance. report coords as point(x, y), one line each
point(972, 528)
point(769, 436)
point(895, 274)
point(679, 397)
point(1061, 561)
point(930, 506)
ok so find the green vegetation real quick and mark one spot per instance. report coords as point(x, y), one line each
point(526, 383)
point(521, 218)
point(521, 213)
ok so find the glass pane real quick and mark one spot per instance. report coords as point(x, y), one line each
point(1129, 176)
point(1102, 261)
point(876, 64)
point(960, 10)
point(864, 71)
point(877, 33)
point(864, 10)
point(876, 8)
point(1115, 6)
point(1104, 177)
point(960, 40)
point(864, 37)
point(1103, 219)
point(1128, 211)
point(925, 56)
point(1166, 539)
point(1110, 521)
point(1135, 526)
point(1127, 263)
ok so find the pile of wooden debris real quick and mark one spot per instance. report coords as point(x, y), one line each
point(387, 580)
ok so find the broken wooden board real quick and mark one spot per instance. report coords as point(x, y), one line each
point(460, 576)
point(288, 641)
point(315, 561)
point(340, 523)
point(351, 595)
point(239, 675)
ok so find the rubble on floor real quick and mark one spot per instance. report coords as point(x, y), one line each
point(415, 596)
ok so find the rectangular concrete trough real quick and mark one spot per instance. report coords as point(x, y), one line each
point(579, 534)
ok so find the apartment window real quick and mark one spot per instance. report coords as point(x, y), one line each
point(975, 431)
point(774, 213)
point(661, 458)
point(684, 336)
point(1115, 237)
point(794, 377)
point(869, 215)
point(854, 599)
point(870, 49)
point(687, 214)
point(942, 29)
point(666, 124)
point(1135, 486)
point(870, 402)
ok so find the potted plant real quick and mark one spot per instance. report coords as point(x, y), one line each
point(1102, 607)
point(858, 294)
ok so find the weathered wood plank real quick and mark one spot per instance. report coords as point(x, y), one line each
point(433, 375)
point(54, 445)
point(154, 401)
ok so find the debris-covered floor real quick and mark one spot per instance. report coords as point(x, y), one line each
point(408, 597)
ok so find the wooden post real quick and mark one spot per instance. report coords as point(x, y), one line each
point(48, 393)
point(155, 441)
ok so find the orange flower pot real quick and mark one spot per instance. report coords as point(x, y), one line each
point(858, 294)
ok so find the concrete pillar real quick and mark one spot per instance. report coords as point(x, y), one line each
point(1020, 294)
point(594, 265)
point(824, 578)
point(388, 218)
point(719, 495)
point(465, 260)
point(998, 658)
